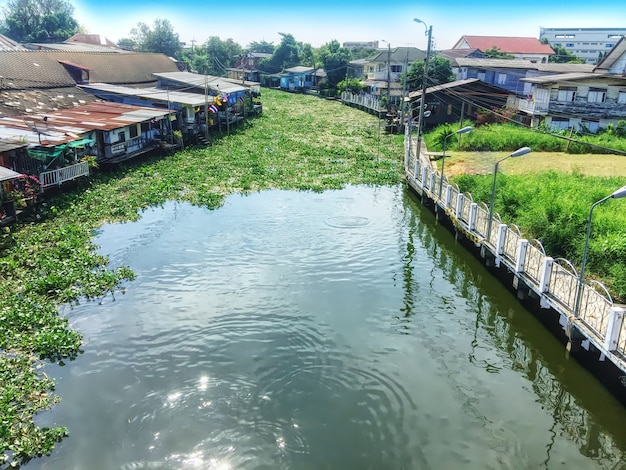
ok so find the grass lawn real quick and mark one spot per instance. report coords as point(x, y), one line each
point(457, 163)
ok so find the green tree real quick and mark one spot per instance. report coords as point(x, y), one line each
point(335, 60)
point(439, 71)
point(215, 56)
point(284, 56)
point(45, 21)
point(563, 56)
point(496, 53)
point(263, 47)
point(160, 38)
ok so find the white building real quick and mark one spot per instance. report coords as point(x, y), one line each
point(586, 43)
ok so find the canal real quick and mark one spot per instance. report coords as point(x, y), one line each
point(298, 330)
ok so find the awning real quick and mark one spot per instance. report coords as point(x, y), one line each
point(8, 174)
point(80, 143)
point(44, 153)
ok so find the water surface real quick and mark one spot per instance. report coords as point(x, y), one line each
point(335, 330)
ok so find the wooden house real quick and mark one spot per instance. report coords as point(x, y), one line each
point(507, 73)
point(247, 68)
point(582, 101)
point(455, 101)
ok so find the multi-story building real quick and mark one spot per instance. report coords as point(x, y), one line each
point(590, 44)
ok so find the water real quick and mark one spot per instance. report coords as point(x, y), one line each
point(341, 330)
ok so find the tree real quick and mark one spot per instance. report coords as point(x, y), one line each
point(284, 56)
point(160, 38)
point(439, 71)
point(335, 60)
point(263, 47)
point(45, 21)
point(563, 56)
point(496, 53)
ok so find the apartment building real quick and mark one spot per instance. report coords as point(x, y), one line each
point(590, 44)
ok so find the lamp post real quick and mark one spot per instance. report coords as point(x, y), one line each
point(429, 32)
point(464, 130)
point(517, 153)
point(621, 192)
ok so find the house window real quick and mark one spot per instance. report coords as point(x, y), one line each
point(609, 45)
point(133, 131)
point(596, 95)
point(621, 98)
point(560, 123)
point(501, 78)
point(396, 68)
point(569, 44)
point(121, 136)
point(590, 126)
point(566, 93)
point(481, 75)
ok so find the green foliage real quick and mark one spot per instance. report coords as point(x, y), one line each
point(45, 21)
point(285, 55)
point(563, 56)
point(554, 207)
point(159, 38)
point(496, 53)
point(262, 46)
point(439, 71)
point(334, 59)
point(510, 137)
point(353, 85)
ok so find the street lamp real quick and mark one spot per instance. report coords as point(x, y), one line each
point(621, 192)
point(517, 153)
point(464, 130)
point(429, 32)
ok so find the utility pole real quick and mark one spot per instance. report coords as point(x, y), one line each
point(420, 120)
point(388, 74)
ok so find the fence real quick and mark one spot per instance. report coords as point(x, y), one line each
point(61, 175)
point(555, 281)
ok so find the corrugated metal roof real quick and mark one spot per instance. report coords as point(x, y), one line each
point(8, 144)
point(459, 84)
point(200, 81)
point(495, 63)
point(154, 94)
point(8, 44)
point(7, 174)
point(68, 125)
point(16, 102)
point(575, 76)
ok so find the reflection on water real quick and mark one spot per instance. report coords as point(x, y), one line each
point(335, 330)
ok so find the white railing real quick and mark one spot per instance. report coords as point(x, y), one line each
point(557, 279)
point(365, 101)
point(61, 175)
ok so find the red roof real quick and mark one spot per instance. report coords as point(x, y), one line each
point(509, 45)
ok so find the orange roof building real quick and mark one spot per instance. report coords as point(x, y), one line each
point(519, 47)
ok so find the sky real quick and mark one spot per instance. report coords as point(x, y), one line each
point(318, 22)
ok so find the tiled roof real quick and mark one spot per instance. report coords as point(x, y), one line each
point(41, 69)
point(508, 45)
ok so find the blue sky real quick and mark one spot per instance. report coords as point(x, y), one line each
point(320, 21)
